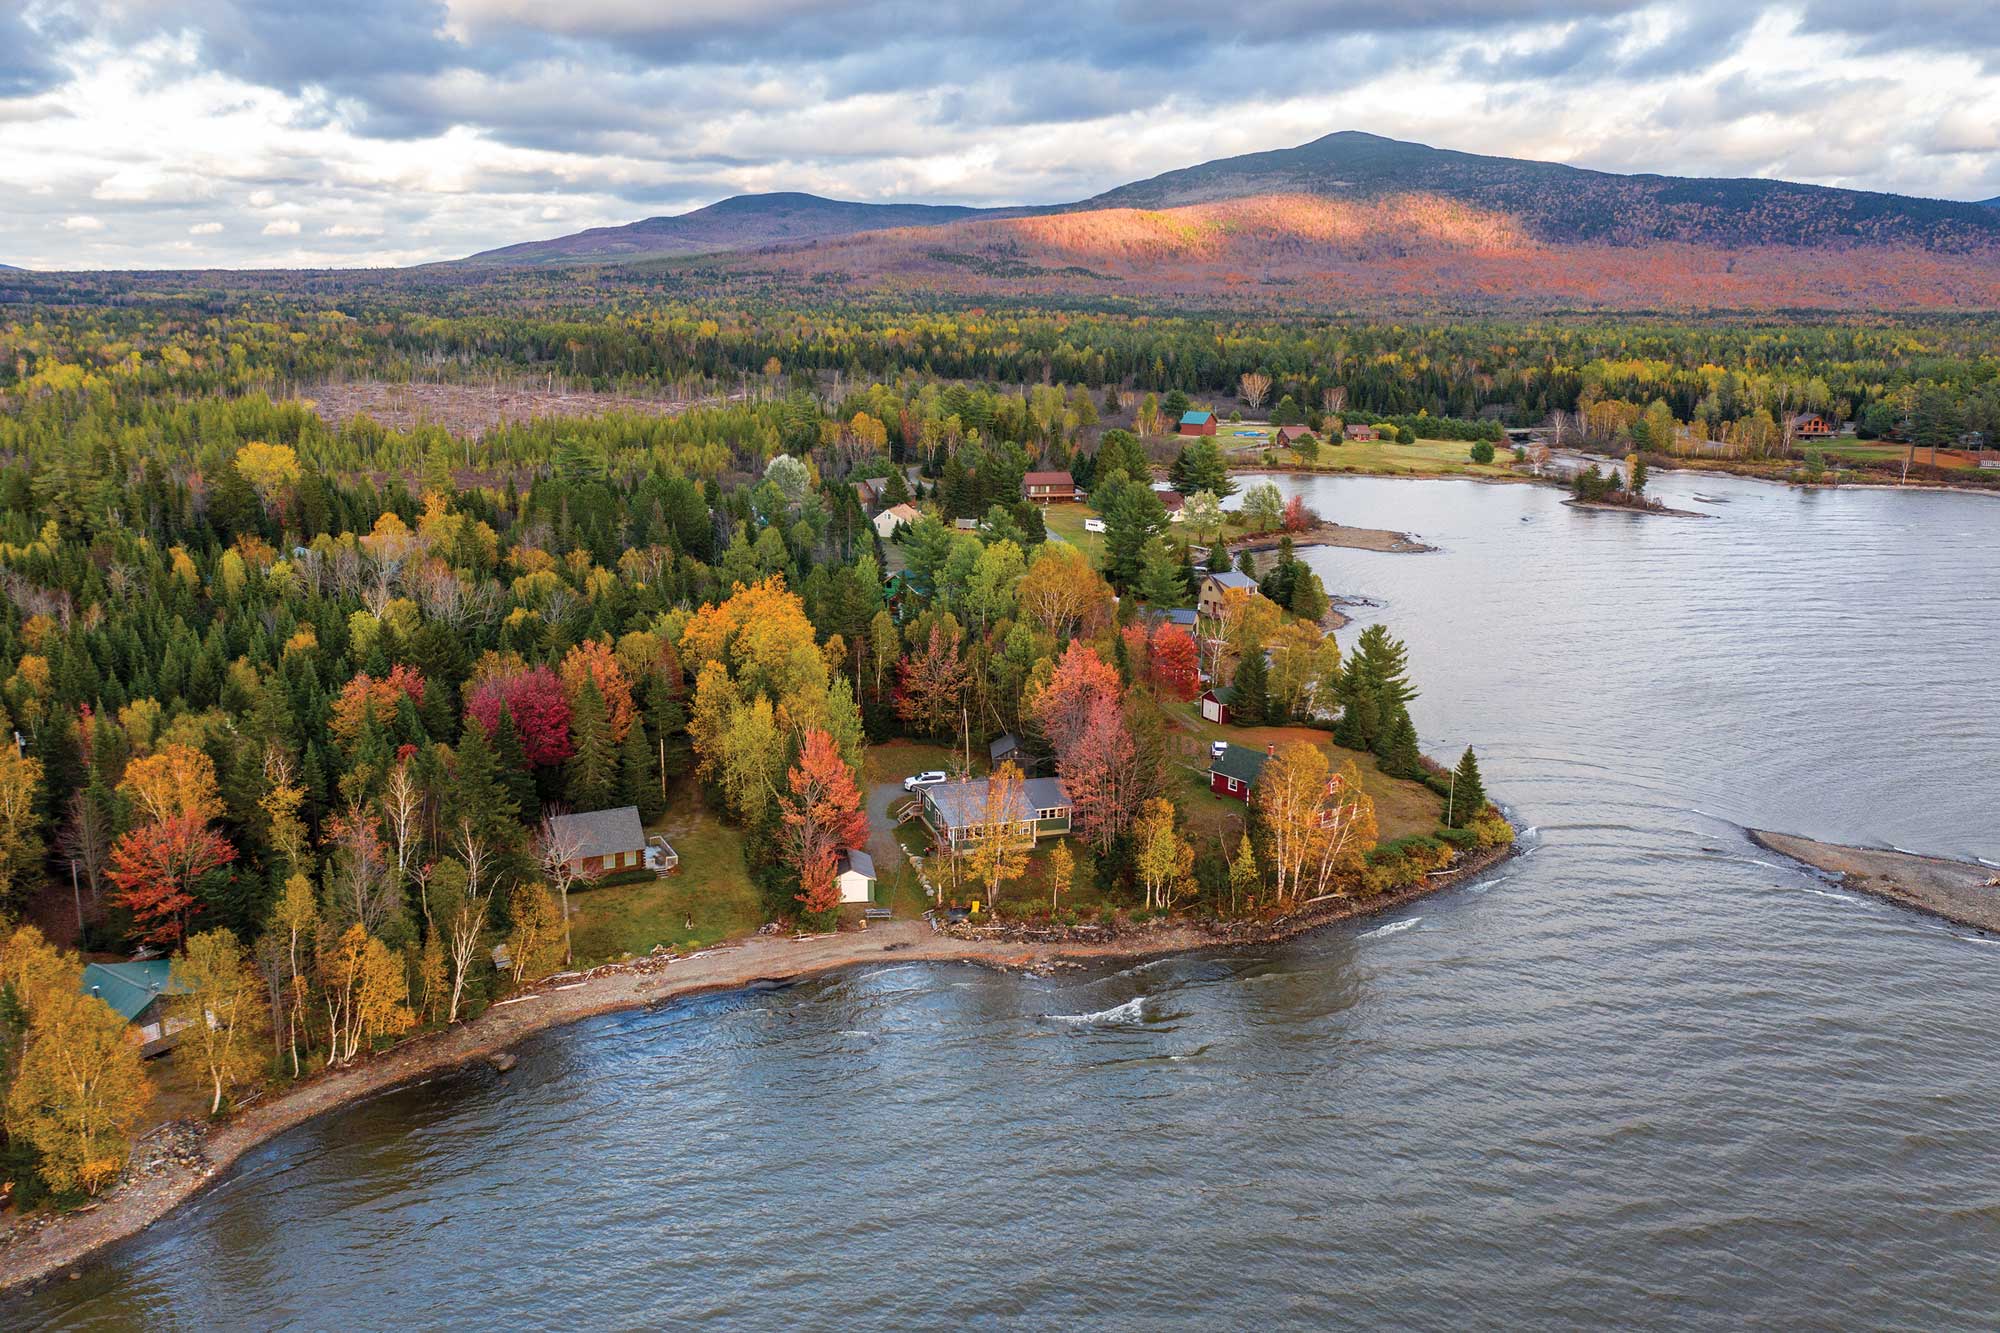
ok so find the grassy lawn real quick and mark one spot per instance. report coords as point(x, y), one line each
point(892, 761)
point(1401, 807)
point(1425, 458)
point(1066, 522)
point(710, 888)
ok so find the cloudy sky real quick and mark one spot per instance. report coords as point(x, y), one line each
point(180, 133)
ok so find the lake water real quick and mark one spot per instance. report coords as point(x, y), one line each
point(1645, 1075)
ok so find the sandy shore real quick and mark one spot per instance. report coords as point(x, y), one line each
point(1961, 892)
point(132, 1207)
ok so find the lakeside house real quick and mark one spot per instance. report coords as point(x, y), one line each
point(137, 993)
point(854, 872)
point(868, 492)
point(894, 517)
point(1215, 704)
point(599, 842)
point(1175, 504)
point(1214, 586)
point(1292, 435)
point(956, 814)
point(1234, 770)
point(1810, 426)
point(1197, 422)
point(1357, 431)
point(1050, 487)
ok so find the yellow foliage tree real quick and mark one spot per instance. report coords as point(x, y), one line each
point(176, 783)
point(996, 852)
point(79, 1091)
point(221, 1010)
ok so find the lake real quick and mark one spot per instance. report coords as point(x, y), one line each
point(1643, 1075)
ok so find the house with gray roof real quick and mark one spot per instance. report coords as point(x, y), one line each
point(600, 842)
point(956, 812)
point(1214, 586)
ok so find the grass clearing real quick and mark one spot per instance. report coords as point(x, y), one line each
point(1066, 521)
point(711, 890)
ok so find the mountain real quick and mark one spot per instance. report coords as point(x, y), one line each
point(736, 223)
point(1568, 204)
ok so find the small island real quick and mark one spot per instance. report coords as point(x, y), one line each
point(1964, 893)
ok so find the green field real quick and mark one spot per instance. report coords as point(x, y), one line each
point(711, 888)
point(1066, 522)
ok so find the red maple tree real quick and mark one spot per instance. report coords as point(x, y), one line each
point(538, 705)
point(822, 815)
point(156, 867)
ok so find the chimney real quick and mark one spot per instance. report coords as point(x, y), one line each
point(1271, 749)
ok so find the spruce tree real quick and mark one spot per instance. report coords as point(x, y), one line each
point(477, 792)
point(1219, 559)
point(591, 773)
point(1159, 575)
point(1468, 793)
point(1397, 747)
point(1361, 715)
point(638, 778)
point(1251, 704)
point(510, 760)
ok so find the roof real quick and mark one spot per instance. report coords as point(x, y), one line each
point(1239, 762)
point(1222, 694)
point(1797, 417)
point(1292, 432)
point(1234, 578)
point(962, 803)
point(1004, 744)
point(857, 860)
point(1195, 417)
point(1048, 479)
point(1179, 615)
point(130, 988)
point(600, 832)
point(909, 513)
point(1172, 500)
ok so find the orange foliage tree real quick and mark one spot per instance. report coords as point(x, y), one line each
point(595, 660)
point(177, 783)
point(822, 815)
point(383, 697)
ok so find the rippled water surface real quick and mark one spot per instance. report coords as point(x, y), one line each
point(1645, 1075)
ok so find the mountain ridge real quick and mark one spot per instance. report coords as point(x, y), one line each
point(1553, 201)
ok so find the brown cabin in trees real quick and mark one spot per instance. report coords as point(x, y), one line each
point(1810, 426)
point(1197, 422)
point(1291, 435)
point(1357, 431)
point(1045, 487)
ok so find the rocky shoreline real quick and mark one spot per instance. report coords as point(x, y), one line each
point(1964, 893)
point(1336, 534)
point(179, 1160)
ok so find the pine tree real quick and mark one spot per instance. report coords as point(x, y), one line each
point(591, 772)
point(1361, 715)
point(1159, 575)
point(1468, 792)
point(1219, 559)
point(1251, 704)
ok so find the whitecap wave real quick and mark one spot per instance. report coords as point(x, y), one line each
point(1132, 1011)
point(1392, 928)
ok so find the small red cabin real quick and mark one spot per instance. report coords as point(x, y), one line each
point(1197, 422)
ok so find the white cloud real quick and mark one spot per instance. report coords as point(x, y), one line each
point(205, 229)
point(82, 222)
point(344, 229)
point(282, 227)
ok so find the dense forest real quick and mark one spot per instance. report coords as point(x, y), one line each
point(293, 700)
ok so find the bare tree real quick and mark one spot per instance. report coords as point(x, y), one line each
point(85, 839)
point(560, 853)
point(1333, 398)
point(1255, 387)
point(403, 806)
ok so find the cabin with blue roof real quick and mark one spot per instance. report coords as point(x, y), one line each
point(1197, 422)
point(137, 992)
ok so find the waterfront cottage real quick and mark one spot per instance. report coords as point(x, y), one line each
point(1810, 426)
point(1234, 770)
point(1357, 431)
point(1215, 585)
point(956, 813)
point(1292, 435)
point(137, 993)
point(599, 842)
point(1197, 422)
